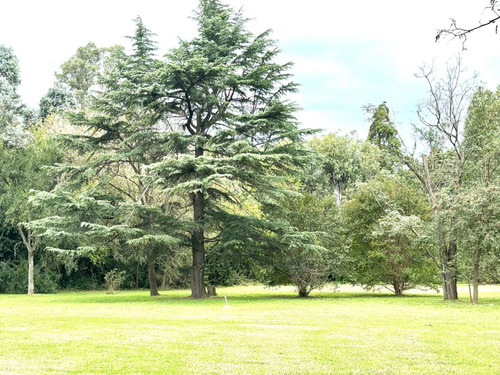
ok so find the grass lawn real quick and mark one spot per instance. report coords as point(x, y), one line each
point(263, 332)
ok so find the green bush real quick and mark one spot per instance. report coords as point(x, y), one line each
point(113, 280)
point(14, 278)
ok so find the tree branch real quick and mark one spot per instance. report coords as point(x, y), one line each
point(458, 32)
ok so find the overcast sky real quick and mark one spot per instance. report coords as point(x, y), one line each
point(346, 53)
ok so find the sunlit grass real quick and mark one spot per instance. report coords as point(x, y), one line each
point(263, 332)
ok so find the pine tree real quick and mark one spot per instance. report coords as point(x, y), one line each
point(237, 131)
point(111, 198)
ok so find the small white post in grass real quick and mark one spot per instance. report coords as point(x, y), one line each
point(226, 305)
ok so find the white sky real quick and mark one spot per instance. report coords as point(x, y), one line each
point(346, 53)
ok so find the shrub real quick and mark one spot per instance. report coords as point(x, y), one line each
point(113, 280)
point(14, 278)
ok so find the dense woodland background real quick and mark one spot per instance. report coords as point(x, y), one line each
point(190, 170)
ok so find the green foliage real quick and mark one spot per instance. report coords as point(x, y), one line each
point(9, 240)
point(383, 134)
point(9, 68)
point(481, 137)
point(202, 149)
point(490, 268)
point(23, 169)
point(106, 199)
point(236, 130)
point(388, 231)
point(114, 280)
point(440, 168)
point(56, 100)
point(308, 252)
point(478, 201)
point(343, 161)
point(71, 215)
point(242, 248)
point(174, 267)
point(14, 280)
point(124, 142)
point(478, 216)
point(81, 73)
point(227, 268)
point(13, 112)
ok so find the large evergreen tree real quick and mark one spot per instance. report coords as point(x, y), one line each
point(237, 128)
point(121, 135)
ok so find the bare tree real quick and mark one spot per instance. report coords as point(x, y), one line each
point(440, 172)
point(445, 109)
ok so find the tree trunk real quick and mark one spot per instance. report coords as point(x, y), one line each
point(198, 241)
point(449, 272)
point(137, 275)
point(211, 290)
point(164, 278)
point(31, 269)
point(153, 287)
point(475, 286)
point(448, 267)
point(198, 244)
point(475, 276)
point(30, 245)
point(446, 253)
point(338, 194)
point(450, 291)
point(398, 288)
point(303, 291)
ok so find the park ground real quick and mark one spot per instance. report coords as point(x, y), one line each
point(262, 331)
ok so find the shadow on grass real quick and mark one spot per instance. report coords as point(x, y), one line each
point(176, 297)
point(334, 297)
point(135, 296)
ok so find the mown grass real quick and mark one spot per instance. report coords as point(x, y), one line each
point(263, 332)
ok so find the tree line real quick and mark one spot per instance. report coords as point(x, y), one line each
point(190, 169)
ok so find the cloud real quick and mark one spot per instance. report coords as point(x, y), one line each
point(331, 120)
point(346, 54)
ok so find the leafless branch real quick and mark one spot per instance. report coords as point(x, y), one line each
point(445, 108)
point(454, 31)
